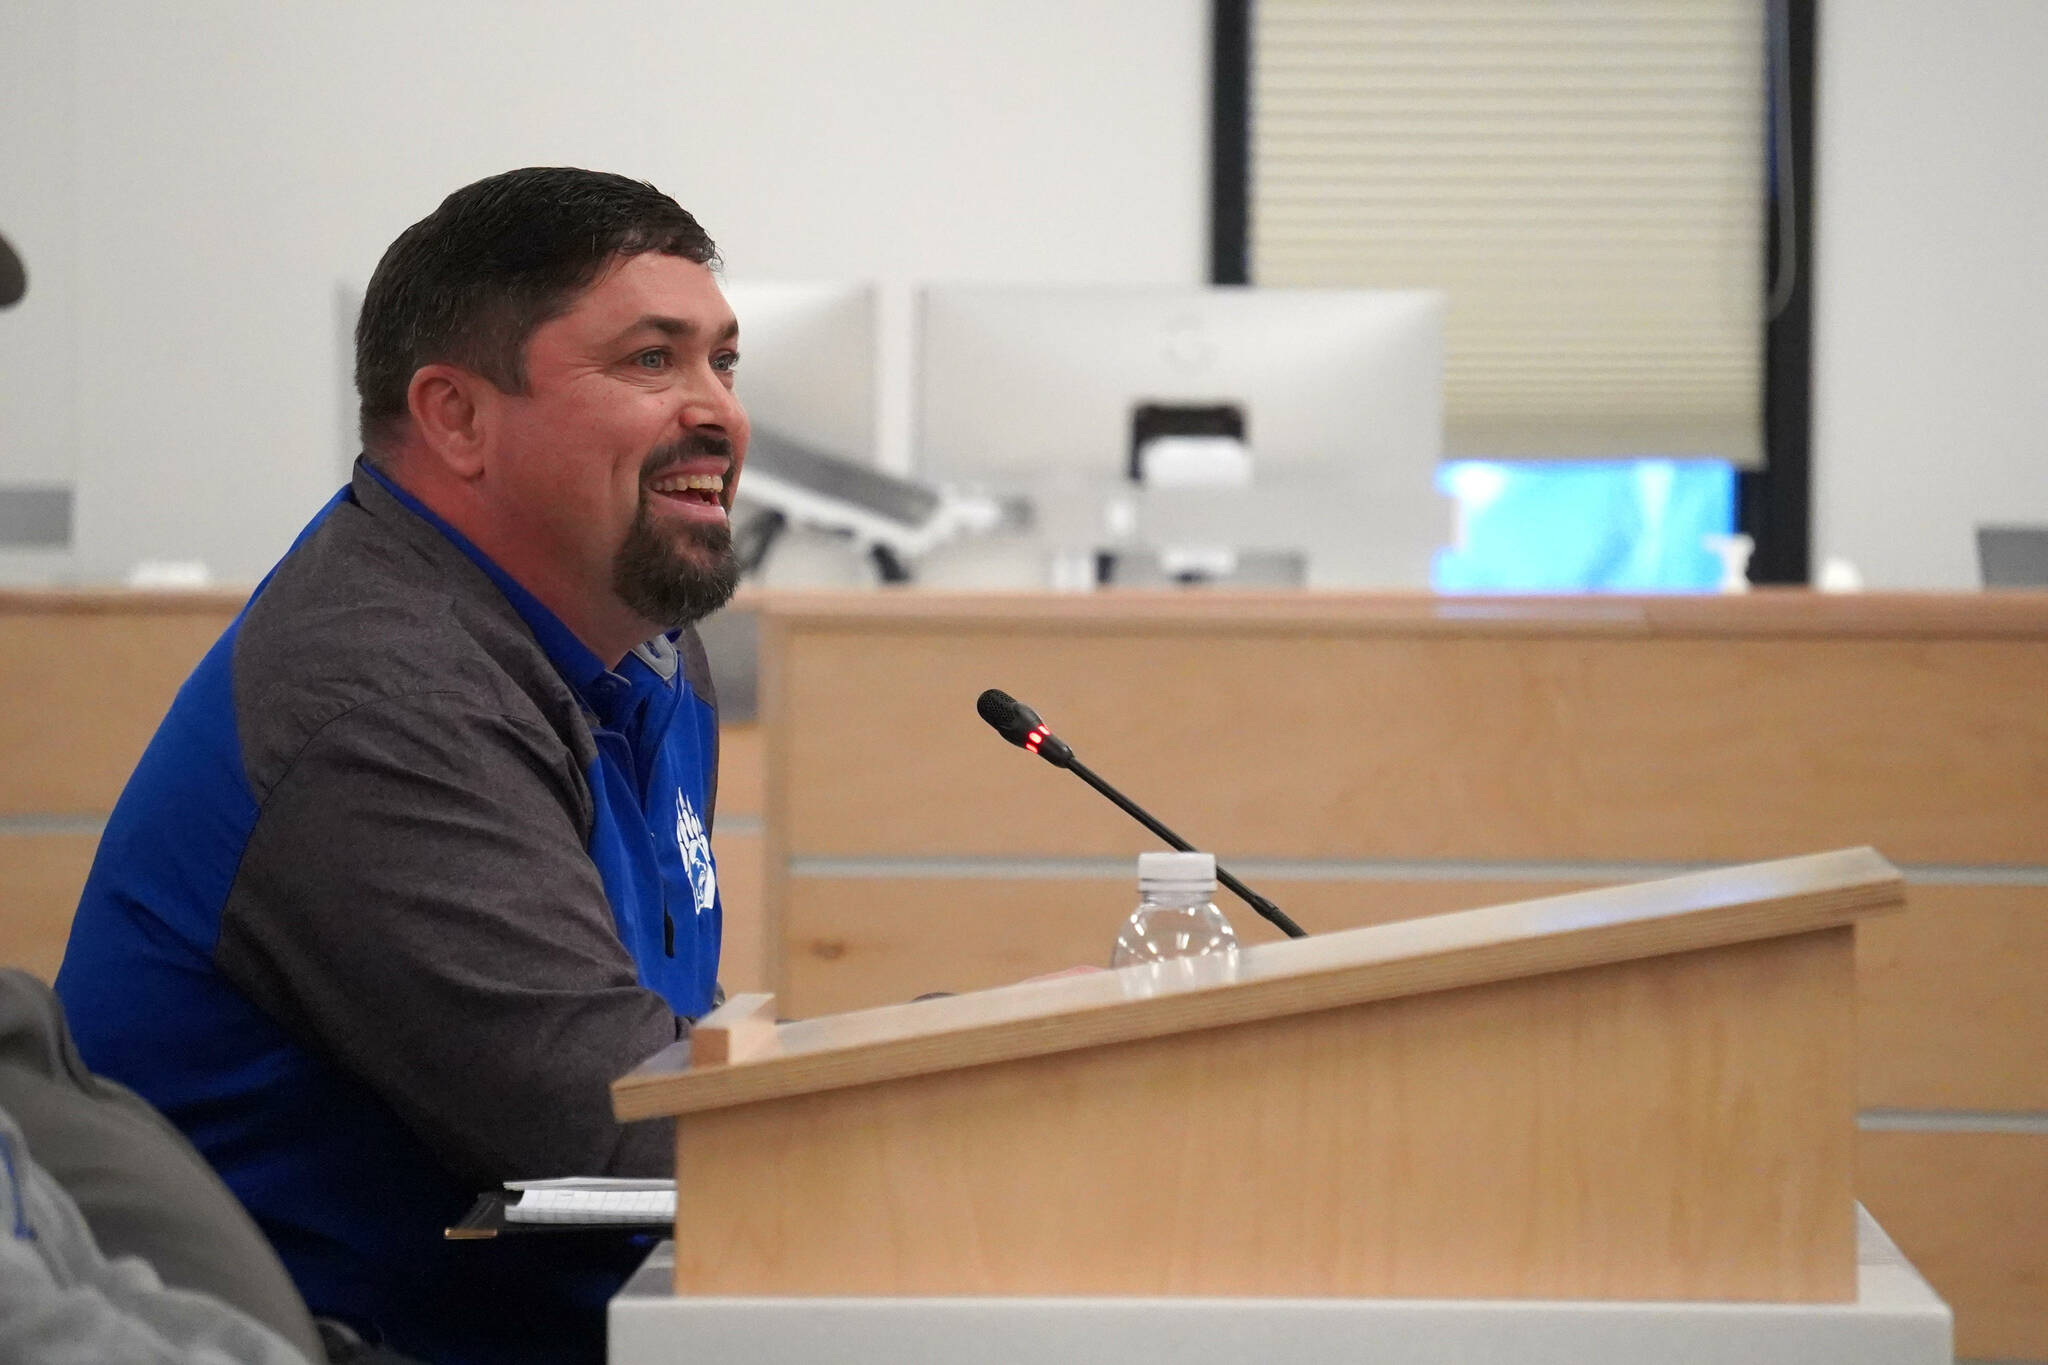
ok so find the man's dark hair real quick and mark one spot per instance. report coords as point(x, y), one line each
point(469, 283)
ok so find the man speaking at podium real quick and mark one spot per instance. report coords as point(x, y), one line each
point(418, 862)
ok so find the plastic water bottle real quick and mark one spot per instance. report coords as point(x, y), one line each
point(1177, 919)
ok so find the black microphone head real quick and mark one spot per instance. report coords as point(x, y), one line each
point(1019, 724)
point(1012, 719)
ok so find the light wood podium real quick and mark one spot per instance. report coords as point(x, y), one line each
point(1641, 1092)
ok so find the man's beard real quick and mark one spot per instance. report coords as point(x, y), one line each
point(663, 581)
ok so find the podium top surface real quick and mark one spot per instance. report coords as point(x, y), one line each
point(1410, 957)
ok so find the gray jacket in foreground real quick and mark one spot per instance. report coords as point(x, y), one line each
point(63, 1303)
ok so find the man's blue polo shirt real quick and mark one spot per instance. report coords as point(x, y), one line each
point(652, 841)
point(404, 880)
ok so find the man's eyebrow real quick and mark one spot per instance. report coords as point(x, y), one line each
point(675, 327)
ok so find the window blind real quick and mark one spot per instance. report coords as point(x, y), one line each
point(1583, 178)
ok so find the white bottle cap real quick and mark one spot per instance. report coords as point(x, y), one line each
point(1189, 870)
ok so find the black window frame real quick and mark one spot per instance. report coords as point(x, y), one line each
point(1774, 505)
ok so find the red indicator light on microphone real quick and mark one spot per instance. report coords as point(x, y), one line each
point(1036, 738)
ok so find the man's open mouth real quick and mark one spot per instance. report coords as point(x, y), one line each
point(708, 489)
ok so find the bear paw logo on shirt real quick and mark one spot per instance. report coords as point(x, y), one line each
point(696, 850)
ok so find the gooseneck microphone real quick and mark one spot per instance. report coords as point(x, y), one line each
point(1019, 724)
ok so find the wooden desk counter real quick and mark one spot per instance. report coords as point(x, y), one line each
point(1362, 758)
point(85, 676)
point(1765, 611)
point(1669, 731)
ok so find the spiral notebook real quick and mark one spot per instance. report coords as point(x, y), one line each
point(583, 1203)
point(592, 1201)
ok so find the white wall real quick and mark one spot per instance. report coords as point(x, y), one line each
point(38, 175)
point(1931, 290)
point(192, 183)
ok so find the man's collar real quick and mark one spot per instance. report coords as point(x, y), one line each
point(573, 659)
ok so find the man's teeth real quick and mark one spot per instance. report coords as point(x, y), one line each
point(689, 483)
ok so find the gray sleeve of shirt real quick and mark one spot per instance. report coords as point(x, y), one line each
point(63, 1303)
point(416, 904)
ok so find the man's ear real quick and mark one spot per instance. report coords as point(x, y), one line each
point(452, 410)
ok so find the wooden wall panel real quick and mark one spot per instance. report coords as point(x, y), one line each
point(1952, 1011)
point(1970, 1210)
point(857, 941)
point(83, 692)
point(1327, 743)
point(745, 957)
point(40, 878)
point(746, 962)
point(740, 776)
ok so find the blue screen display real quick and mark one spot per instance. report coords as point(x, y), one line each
point(1585, 526)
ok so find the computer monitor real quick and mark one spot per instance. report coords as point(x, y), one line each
point(1338, 393)
point(2013, 556)
point(811, 492)
point(1587, 526)
point(807, 361)
point(1051, 378)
